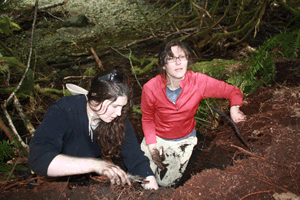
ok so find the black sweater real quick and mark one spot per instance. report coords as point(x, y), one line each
point(64, 130)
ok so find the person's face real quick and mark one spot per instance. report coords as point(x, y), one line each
point(110, 110)
point(177, 69)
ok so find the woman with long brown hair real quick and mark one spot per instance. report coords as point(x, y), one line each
point(81, 134)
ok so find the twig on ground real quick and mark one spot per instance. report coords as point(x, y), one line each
point(43, 9)
point(54, 5)
point(12, 170)
point(25, 120)
point(63, 188)
point(98, 61)
point(274, 185)
point(6, 185)
point(260, 192)
point(202, 9)
point(52, 15)
point(13, 128)
point(18, 160)
point(76, 77)
point(120, 194)
point(247, 152)
point(129, 58)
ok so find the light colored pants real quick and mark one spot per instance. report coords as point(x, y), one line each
point(177, 155)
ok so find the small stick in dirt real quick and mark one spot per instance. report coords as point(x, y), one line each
point(13, 169)
point(261, 192)
point(235, 127)
point(76, 77)
point(274, 185)
point(129, 58)
point(247, 152)
point(120, 194)
point(63, 188)
point(54, 5)
point(98, 61)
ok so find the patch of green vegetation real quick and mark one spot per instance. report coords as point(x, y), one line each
point(218, 68)
point(7, 153)
point(261, 65)
point(7, 26)
point(250, 73)
point(205, 116)
point(146, 63)
point(5, 150)
point(7, 168)
point(48, 92)
point(90, 72)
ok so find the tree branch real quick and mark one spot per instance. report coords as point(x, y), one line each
point(98, 61)
point(11, 124)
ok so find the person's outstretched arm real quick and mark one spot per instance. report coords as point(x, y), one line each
point(63, 165)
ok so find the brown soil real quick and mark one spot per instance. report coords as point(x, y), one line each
point(221, 167)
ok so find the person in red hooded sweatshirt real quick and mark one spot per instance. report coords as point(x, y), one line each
point(169, 102)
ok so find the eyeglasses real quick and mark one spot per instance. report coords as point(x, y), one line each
point(174, 59)
point(114, 76)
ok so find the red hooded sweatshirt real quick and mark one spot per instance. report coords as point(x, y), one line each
point(167, 120)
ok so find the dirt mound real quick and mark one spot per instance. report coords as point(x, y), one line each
point(272, 165)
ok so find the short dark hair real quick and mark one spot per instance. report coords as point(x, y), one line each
point(166, 51)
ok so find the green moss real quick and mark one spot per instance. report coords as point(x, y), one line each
point(90, 72)
point(148, 64)
point(218, 68)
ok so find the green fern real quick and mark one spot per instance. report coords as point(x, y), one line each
point(7, 168)
point(287, 44)
point(261, 65)
point(7, 26)
point(6, 151)
point(296, 45)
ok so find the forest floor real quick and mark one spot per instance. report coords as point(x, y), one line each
point(221, 167)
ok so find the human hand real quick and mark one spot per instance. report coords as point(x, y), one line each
point(152, 185)
point(236, 114)
point(115, 174)
point(157, 157)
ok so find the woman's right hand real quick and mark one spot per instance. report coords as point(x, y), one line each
point(63, 165)
point(152, 185)
point(115, 174)
point(156, 157)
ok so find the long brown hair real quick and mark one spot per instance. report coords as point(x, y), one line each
point(110, 136)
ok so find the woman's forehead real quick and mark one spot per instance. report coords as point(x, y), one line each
point(177, 50)
point(120, 101)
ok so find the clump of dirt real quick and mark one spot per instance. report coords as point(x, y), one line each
point(272, 162)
